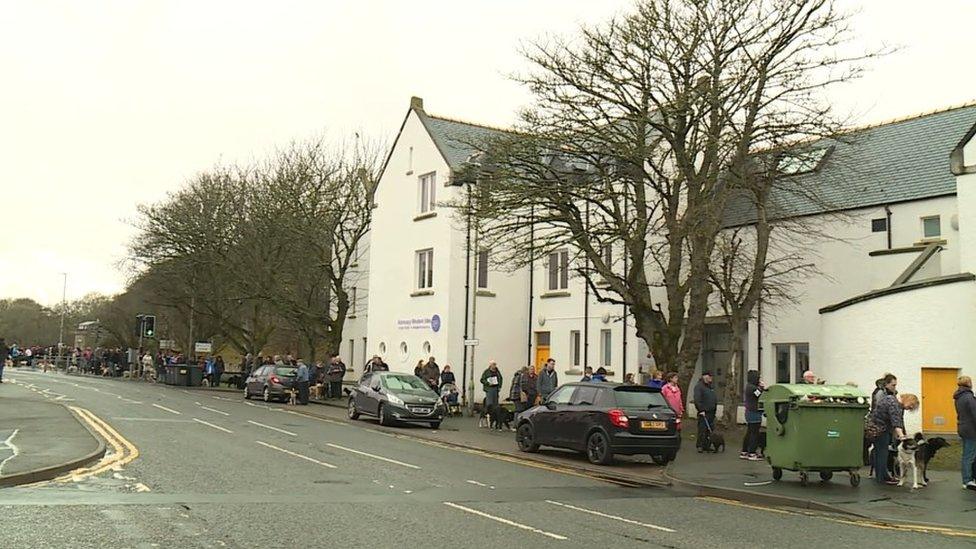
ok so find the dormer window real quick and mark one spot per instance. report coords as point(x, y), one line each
point(797, 162)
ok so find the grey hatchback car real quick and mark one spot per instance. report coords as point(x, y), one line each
point(272, 382)
point(394, 397)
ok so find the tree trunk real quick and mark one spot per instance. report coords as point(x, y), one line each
point(734, 375)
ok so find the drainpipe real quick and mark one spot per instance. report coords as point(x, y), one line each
point(586, 300)
point(528, 357)
point(759, 345)
point(467, 294)
point(624, 251)
point(888, 224)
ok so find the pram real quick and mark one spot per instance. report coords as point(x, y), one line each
point(449, 394)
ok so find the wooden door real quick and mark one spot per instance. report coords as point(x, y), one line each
point(938, 408)
point(541, 350)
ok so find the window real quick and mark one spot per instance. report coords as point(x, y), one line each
point(607, 254)
point(605, 349)
point(426, 192)
point(425, 269)
point(795, 163)
point(559, 270)
point(382, 348)
point(562, 395)
point(403, 351)
point(482, 266)
point(931, 227)
point(585, 396)
point(426, 348)
point(352, 300)
point(792, 359)
point(352, 351)
point(574, 348)
point(879, 225)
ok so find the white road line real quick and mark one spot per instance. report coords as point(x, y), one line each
point(272, 428)
point(476, 483)
point(332, 421)
point(374, 456)
point(224, 399)
point(13, 448)
point(218, 427)
point(504, 521)
point(289, 452)
point(604, 515)
point(152, 419)
point(170, 410)
point(215, 410)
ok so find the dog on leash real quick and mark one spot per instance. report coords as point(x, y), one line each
point(292, 397)
point(761, 448)
point(714, 442)
point(906, 461)
point(495, 417)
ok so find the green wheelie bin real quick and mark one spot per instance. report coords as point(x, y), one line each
point(815, 428)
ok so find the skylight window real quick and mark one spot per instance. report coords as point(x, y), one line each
point(794, 163)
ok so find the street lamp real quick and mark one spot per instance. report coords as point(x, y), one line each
point(64, 306)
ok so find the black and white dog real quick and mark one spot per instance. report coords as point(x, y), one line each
point(915, 453)
point(496, 417)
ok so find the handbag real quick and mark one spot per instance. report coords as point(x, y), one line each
point(871, 430)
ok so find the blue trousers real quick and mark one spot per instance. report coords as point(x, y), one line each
point(968, 459)
point(881, 457)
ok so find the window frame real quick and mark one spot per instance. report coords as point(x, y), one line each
point(558, 266)
point(937, 219)
point(481, 269)
point(577, 395)
point(575, 347)
point(424, 258)
point(571, 389)
point(793, 369)
point(883, 224)
point(426, 192)
point(606, 347)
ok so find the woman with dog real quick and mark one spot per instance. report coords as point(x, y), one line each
point(889, 419)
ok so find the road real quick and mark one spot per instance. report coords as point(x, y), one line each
point(204, 469)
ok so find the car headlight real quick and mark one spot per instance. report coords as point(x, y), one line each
point(394, 400)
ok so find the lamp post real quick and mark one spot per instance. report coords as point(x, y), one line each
point(64, 306)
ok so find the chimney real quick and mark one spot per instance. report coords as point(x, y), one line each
point(417, 103)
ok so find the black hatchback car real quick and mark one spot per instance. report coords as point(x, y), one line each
point(394, 397)
point(602, 419)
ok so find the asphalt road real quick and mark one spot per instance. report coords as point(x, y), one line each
point(213, 470)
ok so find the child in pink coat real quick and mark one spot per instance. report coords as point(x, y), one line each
point(672, 394)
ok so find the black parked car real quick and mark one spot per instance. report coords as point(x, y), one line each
point(602, 419)
point(272, 382)
point(393, 397)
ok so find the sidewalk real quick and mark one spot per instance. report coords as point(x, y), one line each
point(463, 432)
point(942, 503)
point(39, 439)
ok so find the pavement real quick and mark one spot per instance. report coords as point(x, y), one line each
point(203, 468)
point(40, 439)
point(942, 503)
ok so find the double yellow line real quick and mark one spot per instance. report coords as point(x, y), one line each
point(122, 452)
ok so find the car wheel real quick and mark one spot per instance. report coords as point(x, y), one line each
point(525, 437)
point(351, 410)
point(435, 425)
point(598, 449)
point(266, 394)
point(662, 460)
point(247, 395)
point(381, 413)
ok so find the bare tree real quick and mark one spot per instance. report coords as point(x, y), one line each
point(634, 140)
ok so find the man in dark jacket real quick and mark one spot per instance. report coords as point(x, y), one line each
point(335, 373)
point(548, 380)
point(706, 402)
point(754, 389)
point(966, 417)
point(4, 351)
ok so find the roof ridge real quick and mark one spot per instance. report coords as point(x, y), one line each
point(468, 123)
point(910, 117)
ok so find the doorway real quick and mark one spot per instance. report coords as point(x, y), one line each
point(938, 408)
point(541, 350)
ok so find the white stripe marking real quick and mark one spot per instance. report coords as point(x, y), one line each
point(9, 443)
point(476, 483)
point(289, 452)
point(504, 521)
point(218, 427)
point(272, 428)
point(215, 410)
point(604, 515)
point(381, 458)
point(170, 410)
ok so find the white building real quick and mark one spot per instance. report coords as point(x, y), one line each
point(896, 292)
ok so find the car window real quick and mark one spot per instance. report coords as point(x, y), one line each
point(261, 371)
point(563, 395)
point(636, 396)
point(405, 383)
point(287, 372)
point(585, 396)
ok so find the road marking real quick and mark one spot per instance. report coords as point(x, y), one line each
point(504, 521)
point(613, 517)
point(13, 448)
point(476, 483)
point(170, 410)
point(374, 456)
point(123, 450)
point(208, 424)
point(152, 419)
point(332, 421)
point(224, 399)
point(272, 428)
point(289, 452)
point(215, 410)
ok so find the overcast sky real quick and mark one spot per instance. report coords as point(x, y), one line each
point(105, 105)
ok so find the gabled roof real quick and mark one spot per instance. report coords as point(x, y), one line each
point(457, 140)
point(893, 162)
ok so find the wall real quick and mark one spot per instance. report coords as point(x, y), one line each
point(902, 333)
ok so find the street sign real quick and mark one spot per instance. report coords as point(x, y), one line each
point(167, 344)
point(471, 342)
point(203, 347)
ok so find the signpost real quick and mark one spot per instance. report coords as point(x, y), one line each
point(471, 342)
point(203, 347)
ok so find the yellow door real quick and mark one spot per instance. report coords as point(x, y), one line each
point(541, 350)
point(938, 408)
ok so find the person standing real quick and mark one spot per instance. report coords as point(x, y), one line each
point(889, 417)
point(447, 376)
point(491, 383)
point(218, 370)
point(147, 366)
point(587, 374)
point(672, 394)
point(754, 388)
point(337, 371)
point(706, 402)
point(515, 393)
point(301, 379)
point(4, 352)
point(548, 380)
point(432, 373)
point(418, 370)
point(600, 375)
point(657, 380)
point(966, 417)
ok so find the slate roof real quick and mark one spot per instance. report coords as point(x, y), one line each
point(893, 162)
point(458, 140)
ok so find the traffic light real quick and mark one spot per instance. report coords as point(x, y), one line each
point(149, 326)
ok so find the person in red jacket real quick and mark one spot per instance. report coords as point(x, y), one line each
point(672, 394)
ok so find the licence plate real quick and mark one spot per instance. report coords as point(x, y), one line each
point(654, 425)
